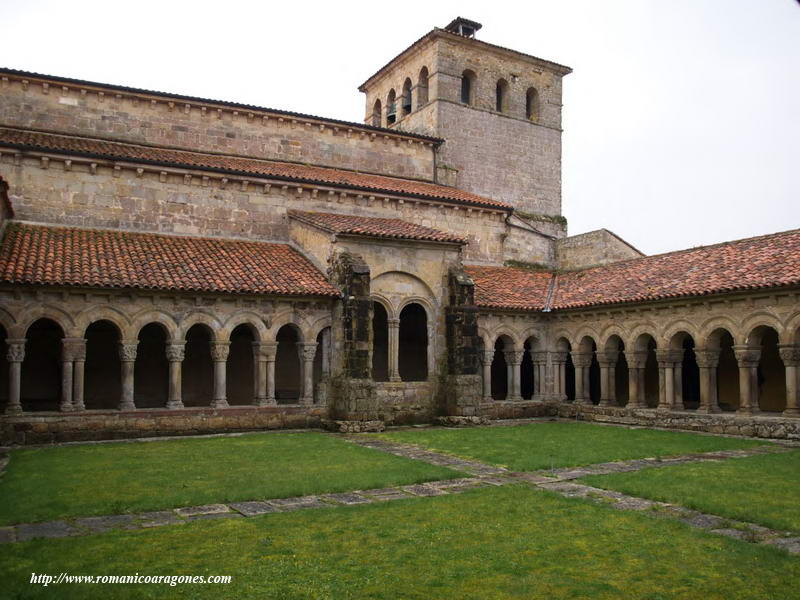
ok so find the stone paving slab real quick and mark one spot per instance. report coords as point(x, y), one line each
point(228, 515)
point(253, 509)
point(423, 490)
point(387, 494)
point(298, 503)
point(101, 524)
point(7, 535)
point(158, 518)
point(345, 498)
point(790, 544)
point(52, 529)
point(206, 509)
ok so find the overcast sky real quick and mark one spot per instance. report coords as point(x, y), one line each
point(681, 119)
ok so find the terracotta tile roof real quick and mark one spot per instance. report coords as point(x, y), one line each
point(755, 263)
point(510, 287)
point(373, 227)
point(38, 254)
point(241, 166)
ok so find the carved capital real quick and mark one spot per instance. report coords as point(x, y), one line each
point(16, 350)
point(608, 359)
point(790, 355)
point(265, 350)
point(637, 360)
point(73, 349)
point(487, 356)
point(559, 358)
point(220, 350)
point(393, 322)
point(308, 351)
point(127, 351)
point(176, 352)
point(707, 358)
point(669, 357)
point(747, 356)
point(513, 357)
point(539, 357)
point(582, 359)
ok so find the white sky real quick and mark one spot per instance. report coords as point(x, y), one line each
point(681, 119)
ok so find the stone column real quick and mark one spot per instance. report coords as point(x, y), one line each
point(608, 363)
point(487, 357)
point(539, 359)
point(560, 379)
point(513, 360)
point(636, 364)
point(308, 350)
point(677, 358)
point(15, 356)
point(127, 357)
point(219, 354)
point(394, 349)
point(582, 362)
point(790, 355)
point(77, 350)
point(270, 350)
point(259, 375)
point(66, 375)
point(707, 361)
point(175, 355)
point(748, 359)
point(666, 379)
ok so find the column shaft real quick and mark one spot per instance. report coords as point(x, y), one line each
point(219, 353)
point(66, 386)
point(394, 349)
point(78, 385)
point(15, 356)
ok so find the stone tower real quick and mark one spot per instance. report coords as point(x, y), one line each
point(498, 110)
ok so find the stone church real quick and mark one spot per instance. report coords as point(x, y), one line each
point(172, 264)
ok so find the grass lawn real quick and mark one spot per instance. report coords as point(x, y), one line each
point(760, 489)
point(510, 542)
point(41, 484)
point(545, 445)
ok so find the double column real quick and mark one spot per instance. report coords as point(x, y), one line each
point(636, 386)
point(559, 361)
point(670, 378)
point(307, 351)
point(513, 361)
point(748, 359)
point(219, 354)
point(394, 349)
point(790, 355)
point(539, 360)
point(707, 361)
point(15, 355)
point(264, 354)
point(487, 356)
point(608, 377)
point(582, 361)
point(127, 357)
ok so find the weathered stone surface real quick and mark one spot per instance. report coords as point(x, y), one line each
point(100, 524)
point(252, 509)
point(52, 529)
point(7, 535)
point(158, 518)
point(345, 498)
point(423, 490)
point(207, 509)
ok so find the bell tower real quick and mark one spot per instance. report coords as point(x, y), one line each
point(498, 110)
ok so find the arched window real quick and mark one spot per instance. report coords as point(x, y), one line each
point(501, 96)
point(406, 100)
point(391, 107)
point(376, 113)
point(380, 343)
point(151, 371)
point(288, 370)
point(197, 371)
point(468, 81)
point(422, 87)
point(532, 104)
point(103, 369)
point(41, 369)
point(413, 343)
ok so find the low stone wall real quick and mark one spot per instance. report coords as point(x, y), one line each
point(760, 426)
point(43, 428)
point(502, 409)
point(406, 402)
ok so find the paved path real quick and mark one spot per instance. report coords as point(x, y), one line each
point(480, 475)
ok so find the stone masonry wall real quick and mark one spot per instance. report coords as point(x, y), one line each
point(594, 248)
point(139, 118)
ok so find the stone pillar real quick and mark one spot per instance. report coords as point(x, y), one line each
point(15, 356)
point(487, 357)
point(560, 378)
point(308, 350)
point(748, 359)
point(270, 350)
point(259, 375)
point(219, 354)
point(666, 378)
point(636, 364)
point(325, 348)
point(77, 351)
point(539, 359)
point(707, 361)
point(513, 360)
point(127, 357)
point(608, 364)
point(582, 362)
point(790, 355)
point(394, 349)
point(66, 375)
point(175, 355)
point(677, 371)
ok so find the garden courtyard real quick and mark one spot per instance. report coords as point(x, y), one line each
point(533, 510)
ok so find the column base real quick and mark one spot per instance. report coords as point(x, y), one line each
point(747, 410)
point(514, 398)
point(791, 412)
point(487, 399)
point(219, 403)
point(607, 403)
point(708, 410)
point(174, 404)
point(65, 407)
point(127, 406)
point(78, 407)
point(267, 402)
point(395, 379)
point(13, 410)
point(306, 401)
